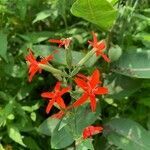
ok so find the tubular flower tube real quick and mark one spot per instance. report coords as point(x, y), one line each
point(91, 130)
point(65, 42)
point(91, 88)
point(55, 97)
point(34, 65)
point(99, 47)
point(58, 115)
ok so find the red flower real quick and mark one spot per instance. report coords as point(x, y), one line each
point(55, 97)
point(91, 87)
point(34, 64)
point(99, 47)
point(65, 42)
point(91, 130)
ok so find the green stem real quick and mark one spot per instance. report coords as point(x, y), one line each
point(68, 58)
point(82, 62)
point(57, 73)
point(50, 69)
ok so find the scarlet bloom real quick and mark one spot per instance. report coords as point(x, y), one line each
point(91, 87)
point(55, 97)
point(91, 130)
point(99, 47)
point(65, 42)
point(34, 64)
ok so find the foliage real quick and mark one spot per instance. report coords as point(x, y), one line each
point(123, 112)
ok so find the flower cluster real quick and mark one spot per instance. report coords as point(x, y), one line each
point(90, 85)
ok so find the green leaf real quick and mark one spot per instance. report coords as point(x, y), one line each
point(120, 86)
point(75, 120)
point(37, 37)
point(15, 135)
point(5, 112)
point(42, 15)
point(61, 138)
point(3, 45)
point(33, 116)
point(48, 126)
point(85, 145)
point(127, 134)
point(31, 143)
point(99, 12)
point(133, 64)
point(60, 57)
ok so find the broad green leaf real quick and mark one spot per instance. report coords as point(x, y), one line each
point(85, 145)
point(48, 126)
point(120, 86)
point(61, 138)
point(127, 134)
point(76, 117)
point(99, 12)
point(31, 143)
point(42, 15)
point(37, 37)
point(15, 135)
point(3, 45)
point(133, 64)
point(59, 57)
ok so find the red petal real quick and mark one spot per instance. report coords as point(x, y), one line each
point(55, 41)
point(46, 59)
point(32, 72)
point(80, 101)
point(60, 102)
point(64, 90)
point(101, 90)
point(82, 76)
point(105, 57)
point(93, 102)
point(50, 105)
point(57, 86)
point(94, 80)
point(30, 57)
point(94, 38)
point(47, 95)
point(81, 83)
point(86, 134)
point(91, 130)
point(98, 129)
point(101, 45)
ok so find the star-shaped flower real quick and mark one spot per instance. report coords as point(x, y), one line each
point(34, 64)
point(99, 47)
point(91, 87)
point(55, 97)
point(65, 42)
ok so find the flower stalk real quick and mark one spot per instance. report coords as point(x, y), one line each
point(82, 62)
